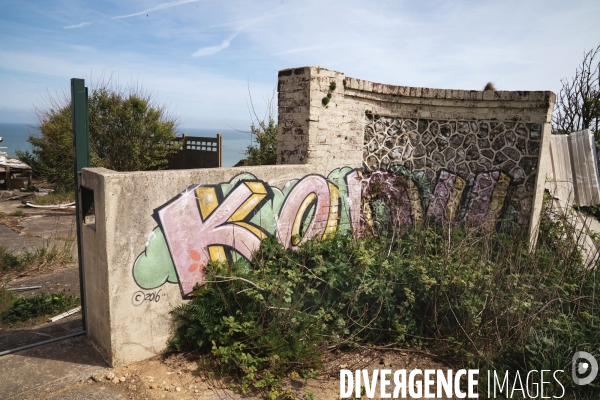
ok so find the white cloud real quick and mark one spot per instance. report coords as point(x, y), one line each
point(463, 44)
point(157, 8)
point(209, 51)
point(81, 25)
point(199, 98)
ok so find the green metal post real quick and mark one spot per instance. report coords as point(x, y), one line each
point(81, 159)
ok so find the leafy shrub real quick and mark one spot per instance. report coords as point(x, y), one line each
point(263, 132)
point(593, 210)
point(482, 299)
point(128, 132)
point(8, 260)
point(264, 152)
point(43, 304)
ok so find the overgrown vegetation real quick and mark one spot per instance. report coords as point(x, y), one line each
point(332, 86)
point(481, 299)
point(263, 131)
point(55, 198)
point(489, 86)
point(263, 151)
point(593, 210)
point(7, 298)
point(41, 306)
point(45, 257)
point(16, 213)
point(129, 131)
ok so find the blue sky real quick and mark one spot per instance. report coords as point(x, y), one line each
point(198, 57)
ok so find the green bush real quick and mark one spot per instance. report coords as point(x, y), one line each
point(264, 151)
point(481, 299)
point(54, 198)
point(41, 305)
point(8, 260)
point(263, 132)
point(128, 132)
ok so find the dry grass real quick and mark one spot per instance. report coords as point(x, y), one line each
point(69, 238)
point(54, 198)
point(6, 299)
point(44, 258)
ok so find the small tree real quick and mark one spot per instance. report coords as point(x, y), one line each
point(263, 150)
point(128, 132)
point(578, 102)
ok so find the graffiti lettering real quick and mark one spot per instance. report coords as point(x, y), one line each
point(313, 191)
point(227, 222)
point(393, 200)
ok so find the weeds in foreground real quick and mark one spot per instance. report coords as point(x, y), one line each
point(7, 298)
point(45, 257)
point(41, 306)
point(593, 210)
point(480, 298)
point(16, 213)
point(55, 198)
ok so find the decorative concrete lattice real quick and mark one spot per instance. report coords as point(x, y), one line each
point(464, 148)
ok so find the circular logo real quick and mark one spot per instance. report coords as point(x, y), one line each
point(138, 298)
point(581, 368)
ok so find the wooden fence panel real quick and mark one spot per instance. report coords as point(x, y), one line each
point(198, 152)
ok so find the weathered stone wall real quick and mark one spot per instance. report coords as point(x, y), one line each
point(501, 137)
point(464, 149)
point(309, 133)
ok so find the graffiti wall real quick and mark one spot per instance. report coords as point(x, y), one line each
point(465, 169)
point(226, 222)
point(438, 135)
point(398, 198)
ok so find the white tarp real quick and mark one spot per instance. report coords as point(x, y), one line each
point(575, 177)
point(7, 161)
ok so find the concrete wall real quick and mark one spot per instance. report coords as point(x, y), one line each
point(155, 231)
point(447, 154)
point(459, 135)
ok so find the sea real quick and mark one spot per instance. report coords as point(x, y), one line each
point(234, 142)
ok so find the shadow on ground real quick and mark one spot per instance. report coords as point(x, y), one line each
point(48, 367)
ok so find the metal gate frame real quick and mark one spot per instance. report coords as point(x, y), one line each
point(81, 159)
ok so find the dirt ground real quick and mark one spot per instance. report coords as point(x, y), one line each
point(64, 280)
point(28, 229)
point(178, 377)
